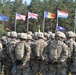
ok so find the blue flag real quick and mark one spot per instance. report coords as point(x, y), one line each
point(60, 28)
point(3, 18)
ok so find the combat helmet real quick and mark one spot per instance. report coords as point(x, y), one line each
point(70, 34)
point(13, 34)
point(23, 36)
point(60, 34)
point(8, 34)
point(40, 35)
point(52, 35)
point(29, 37)
point(29, 32)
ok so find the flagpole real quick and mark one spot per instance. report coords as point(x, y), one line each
point(15, 23)
point(57, 20)
point(43, 24)
point(27, 25)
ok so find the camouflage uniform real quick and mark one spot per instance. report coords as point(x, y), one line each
point(37, 60)
point(23, 62)
point(71, 60)
point(1, 57)
point(55, 55)
point(9, 57)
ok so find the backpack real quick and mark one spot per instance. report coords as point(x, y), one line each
point(39, 47)
point(55, 50)
point(70, 45)
point(19, 51)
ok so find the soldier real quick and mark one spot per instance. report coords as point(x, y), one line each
point(22, 53)
point(9, 59)
point(52, 36)
point(8, 36)
point(29, 39)
point(37, 61)
point(4, 41)
point(1, 57)
point(55, 55)
point(71, 60)
point(35, 36)
point(30, 33)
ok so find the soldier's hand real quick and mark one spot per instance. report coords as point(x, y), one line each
point(50, 62)
point(18, 62)
point(39, 59)
point(55, 63)
point(71, 61)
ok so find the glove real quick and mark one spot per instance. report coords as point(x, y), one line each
point(50, 62)
point(71, 61)
point(38, 59)
point(55, 63)
point(18, 62)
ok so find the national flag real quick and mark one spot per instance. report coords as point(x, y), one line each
point(20, 17)
point(7, 28)
point(48, 15)
point(32, 15)
point(3, 18)
point(58, 28)
point(62, 14)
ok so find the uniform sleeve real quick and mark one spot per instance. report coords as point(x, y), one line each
point(74, 51)
point(64, 53)
point(27, 54)
point(46, 53)
point(1, 50)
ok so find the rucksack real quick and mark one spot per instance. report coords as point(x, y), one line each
point(19, 51)
point(39, 47)
point(71, 46)
point(55, 50)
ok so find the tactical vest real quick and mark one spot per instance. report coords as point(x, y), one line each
point(55, 50)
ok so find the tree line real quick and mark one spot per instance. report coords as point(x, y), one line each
point(9, 8)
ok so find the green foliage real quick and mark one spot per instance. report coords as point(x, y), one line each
point(2, 31)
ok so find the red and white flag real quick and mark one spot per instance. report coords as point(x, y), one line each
point(32, 15)
point(62, 14)
point(20, 17)
point(7, 28)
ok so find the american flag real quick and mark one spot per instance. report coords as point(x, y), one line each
point(32, 15)
point(20, 17)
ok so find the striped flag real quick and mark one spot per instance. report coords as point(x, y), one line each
point(32, 15)
point(20, 17)
point(62, 14)
point(7, 28)
point(49, 15)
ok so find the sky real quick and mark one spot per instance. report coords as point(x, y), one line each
point(28, 1)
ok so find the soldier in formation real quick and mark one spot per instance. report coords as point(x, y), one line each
point(22, 53)
point(37, 61)
point(71, 60)
point(38, 53)
point(55, 54)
